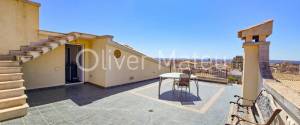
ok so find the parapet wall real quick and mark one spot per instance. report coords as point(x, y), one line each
point(282, 97)
point(279, 96)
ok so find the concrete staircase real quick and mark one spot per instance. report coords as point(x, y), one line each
point(36, 49)
point(12, 91)
point(12, 98)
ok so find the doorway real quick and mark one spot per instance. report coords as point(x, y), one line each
point(73, 73)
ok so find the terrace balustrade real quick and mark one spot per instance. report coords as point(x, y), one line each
point(258, 75)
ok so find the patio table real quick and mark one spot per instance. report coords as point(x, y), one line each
point(175, 75)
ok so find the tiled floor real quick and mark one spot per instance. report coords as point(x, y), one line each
point(133, 104)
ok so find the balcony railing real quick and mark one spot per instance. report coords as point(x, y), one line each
point(284, 97)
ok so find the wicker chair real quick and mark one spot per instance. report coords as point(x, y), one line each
point(184, 81)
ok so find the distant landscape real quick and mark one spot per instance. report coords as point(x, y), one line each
point(229, 60)
point(281, 61)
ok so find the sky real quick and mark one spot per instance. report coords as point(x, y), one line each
point(188, 28)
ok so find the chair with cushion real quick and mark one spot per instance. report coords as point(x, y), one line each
point(184, 81)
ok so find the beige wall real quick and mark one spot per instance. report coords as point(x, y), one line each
point(97, 76)
point(46, 71)
point(19, 24)
point(122, 74)
point(49, 70)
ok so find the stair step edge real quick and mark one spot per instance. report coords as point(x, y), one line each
point(35, 51)
point(11, 67)
point(26, 56)
point(14, 108)
point(13, 98)
point(5, 82)
point(14, 89)
point(7, 74)
point(8, 61)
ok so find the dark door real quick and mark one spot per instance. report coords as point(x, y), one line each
point(73, 73)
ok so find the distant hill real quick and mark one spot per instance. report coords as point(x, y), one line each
point(281, 61)
point(229, 60)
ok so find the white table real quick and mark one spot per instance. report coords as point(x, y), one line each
point(175, 75)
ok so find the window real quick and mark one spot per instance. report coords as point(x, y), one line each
point(117, 53)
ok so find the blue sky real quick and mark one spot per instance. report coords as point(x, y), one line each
point(188, 27)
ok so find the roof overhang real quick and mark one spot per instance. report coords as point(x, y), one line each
point(32, 3)
point(81, 35)
point(264, 28)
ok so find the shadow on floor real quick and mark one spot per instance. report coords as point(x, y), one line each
point(81, 94)
point(184, 97)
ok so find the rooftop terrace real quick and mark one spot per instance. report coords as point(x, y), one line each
point(135, 103)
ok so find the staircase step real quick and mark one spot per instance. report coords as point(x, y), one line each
point(43, 49)
point(24, 59)
point(9, 93)
point(14, 112)
point(11, 84)
point(10, 77)
point(17, 52)
point(25, 48)
point(9, 63)
point(35, 53)
point(39, 43)
point(53, 45)
point(12, 102)
point(6, 70)
point(7, 57)
point(60, 41)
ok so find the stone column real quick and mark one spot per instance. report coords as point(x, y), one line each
point(256, 67)
point(250, 72)
point(256, 58)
